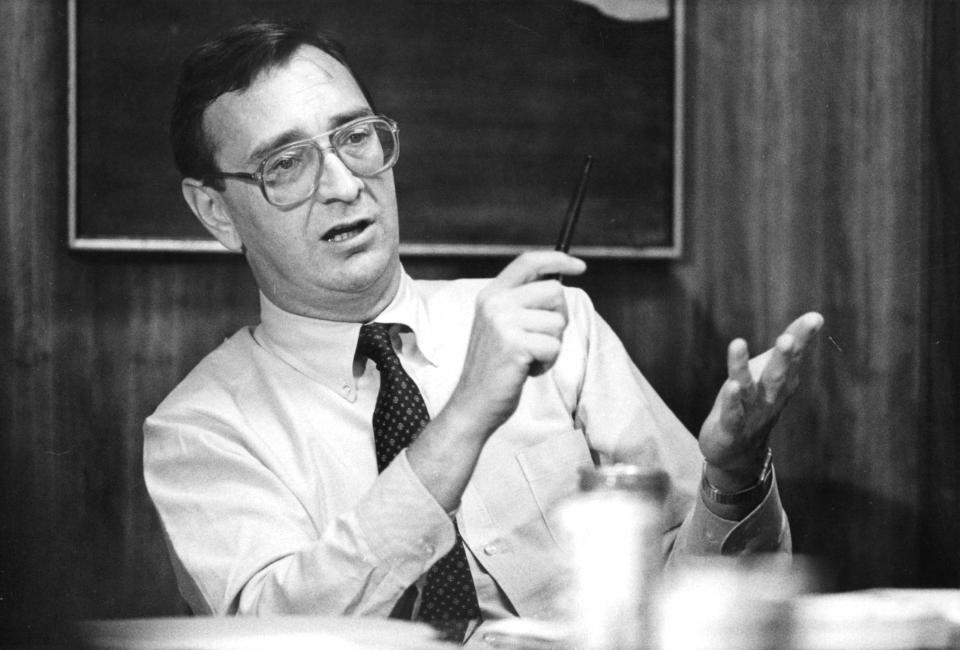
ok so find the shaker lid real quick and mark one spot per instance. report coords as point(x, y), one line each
point(621, 476)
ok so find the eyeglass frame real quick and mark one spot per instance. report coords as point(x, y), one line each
point(257, 176)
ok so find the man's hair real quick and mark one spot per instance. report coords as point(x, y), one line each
point(231, 63)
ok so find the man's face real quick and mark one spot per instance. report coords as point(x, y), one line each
point(334, 256)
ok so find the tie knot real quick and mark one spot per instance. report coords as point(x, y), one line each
point(375, 343)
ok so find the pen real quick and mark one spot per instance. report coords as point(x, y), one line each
point(573, 211)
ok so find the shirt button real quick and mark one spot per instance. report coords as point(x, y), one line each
point(427, 548)
point(491, 549)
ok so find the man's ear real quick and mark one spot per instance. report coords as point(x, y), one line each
point(209, 209)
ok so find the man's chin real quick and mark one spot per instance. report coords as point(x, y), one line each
point(370, 274)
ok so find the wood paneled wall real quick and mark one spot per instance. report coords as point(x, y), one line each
point(940, 512)
point(808, 188)
point(813, 183)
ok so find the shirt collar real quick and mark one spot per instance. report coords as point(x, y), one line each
point(325, 350)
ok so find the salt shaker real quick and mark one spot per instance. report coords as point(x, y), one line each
point(611, 531)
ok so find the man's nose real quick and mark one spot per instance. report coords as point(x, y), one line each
point(337, 182)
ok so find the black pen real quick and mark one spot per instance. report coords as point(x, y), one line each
point(573, 212)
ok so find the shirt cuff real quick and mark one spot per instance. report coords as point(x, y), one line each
point(764, 530)
point(408, 531)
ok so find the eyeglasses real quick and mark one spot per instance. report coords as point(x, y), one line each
point(290, 175)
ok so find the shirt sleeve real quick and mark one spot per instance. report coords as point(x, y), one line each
point(243, 543)
point(625, 420)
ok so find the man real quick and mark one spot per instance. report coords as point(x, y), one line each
point(285, 487)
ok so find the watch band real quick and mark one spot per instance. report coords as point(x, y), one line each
point(751, 495)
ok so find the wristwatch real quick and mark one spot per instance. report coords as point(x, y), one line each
point(752, 495)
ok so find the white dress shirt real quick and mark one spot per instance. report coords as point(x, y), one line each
point(261, 465)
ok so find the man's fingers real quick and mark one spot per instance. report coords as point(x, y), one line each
point(539, 321)
point(505, 306)
point(543, 349)
point(738, 363)
point(758, 363)
point(731, 407)
point(799, 334)
point(532, 265)
point(804, 329)
point(538, 295)
point(751, 400)
point(783, 357)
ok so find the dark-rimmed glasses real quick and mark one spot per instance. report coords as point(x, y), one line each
point(291, 174)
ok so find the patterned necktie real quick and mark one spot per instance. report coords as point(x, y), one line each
point(449, 595)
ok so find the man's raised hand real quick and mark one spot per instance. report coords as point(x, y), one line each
point(736, 433)
point(517, 331)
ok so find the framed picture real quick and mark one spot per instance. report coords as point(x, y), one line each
point(498, 102)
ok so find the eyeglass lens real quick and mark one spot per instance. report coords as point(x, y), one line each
point(366, 149)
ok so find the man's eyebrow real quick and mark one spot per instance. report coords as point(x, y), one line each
point(291, 135)
point(349, 116)
point(295, 135)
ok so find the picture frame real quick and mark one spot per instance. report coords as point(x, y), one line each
point(498, 102)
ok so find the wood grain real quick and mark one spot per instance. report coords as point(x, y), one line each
point(808, 193)
point(941, 401)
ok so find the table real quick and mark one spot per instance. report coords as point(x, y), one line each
point(879, 619)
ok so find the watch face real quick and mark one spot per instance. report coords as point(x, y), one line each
point(767, 472)
point(753, 494)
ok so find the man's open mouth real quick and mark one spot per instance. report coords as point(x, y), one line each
point(346, 231)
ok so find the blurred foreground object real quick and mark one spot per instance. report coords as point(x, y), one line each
point(260, 633)
point(731, 603)
point(633, 10)
point(769, 604)
point(612, 530)
point(881, 619)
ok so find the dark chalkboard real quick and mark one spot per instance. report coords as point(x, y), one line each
point(497, 101)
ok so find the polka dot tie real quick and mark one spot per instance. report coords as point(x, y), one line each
point(449, 597)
